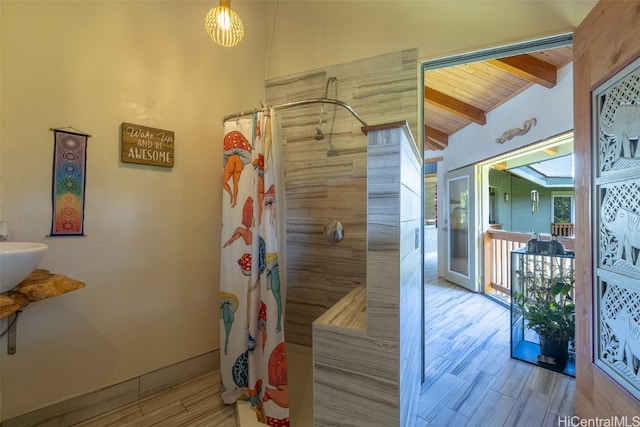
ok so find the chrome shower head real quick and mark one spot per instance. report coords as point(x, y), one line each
point(319, 136)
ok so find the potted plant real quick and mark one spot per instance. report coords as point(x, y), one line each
point(548, 309)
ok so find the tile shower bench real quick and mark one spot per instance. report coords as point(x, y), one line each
point(349, 312)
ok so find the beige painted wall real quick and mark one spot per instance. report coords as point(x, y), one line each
point(311, 34)
point(150, 257)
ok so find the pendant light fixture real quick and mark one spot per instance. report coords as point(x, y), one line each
point(224, 25)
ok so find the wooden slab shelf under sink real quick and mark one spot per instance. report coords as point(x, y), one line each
point(37, 286)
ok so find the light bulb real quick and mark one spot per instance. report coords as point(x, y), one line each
point(224, 21)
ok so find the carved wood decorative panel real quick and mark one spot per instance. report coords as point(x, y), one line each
point(616, 114)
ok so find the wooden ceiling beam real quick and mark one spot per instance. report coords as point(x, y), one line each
point(436, 140)
point(455, 106)
point(431, 144)
point(529, 68)
point(500, 166)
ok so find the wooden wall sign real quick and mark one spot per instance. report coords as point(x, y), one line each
point(147, 146)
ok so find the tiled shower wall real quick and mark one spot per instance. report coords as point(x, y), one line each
point(326, 180)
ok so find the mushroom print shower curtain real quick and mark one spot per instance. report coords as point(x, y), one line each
point(252, 280)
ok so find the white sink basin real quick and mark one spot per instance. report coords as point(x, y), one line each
point(17, 261)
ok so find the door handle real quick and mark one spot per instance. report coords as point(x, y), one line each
point(444, 229)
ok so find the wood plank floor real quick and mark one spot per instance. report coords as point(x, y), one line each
point(470, 378)
point(196, 402)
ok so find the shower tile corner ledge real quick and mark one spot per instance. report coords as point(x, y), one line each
point(349, 313)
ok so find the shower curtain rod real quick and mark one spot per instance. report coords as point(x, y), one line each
point(298, 104)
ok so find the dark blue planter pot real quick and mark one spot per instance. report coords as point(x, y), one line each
point(556, 352)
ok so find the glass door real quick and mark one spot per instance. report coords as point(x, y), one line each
point(460, 228)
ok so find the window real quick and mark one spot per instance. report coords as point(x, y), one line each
point(562, 207)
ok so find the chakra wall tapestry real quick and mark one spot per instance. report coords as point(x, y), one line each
point(616, 113)
point(68, 184)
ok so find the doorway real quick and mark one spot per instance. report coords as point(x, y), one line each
point(459, 225)
point(509, 184)
point(489, 141)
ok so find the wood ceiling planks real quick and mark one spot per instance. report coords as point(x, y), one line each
point(460, 95)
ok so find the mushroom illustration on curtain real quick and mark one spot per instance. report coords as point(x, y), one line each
point(253, 363)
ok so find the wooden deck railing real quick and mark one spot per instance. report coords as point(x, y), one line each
point(498, 245)
point(562, 229)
